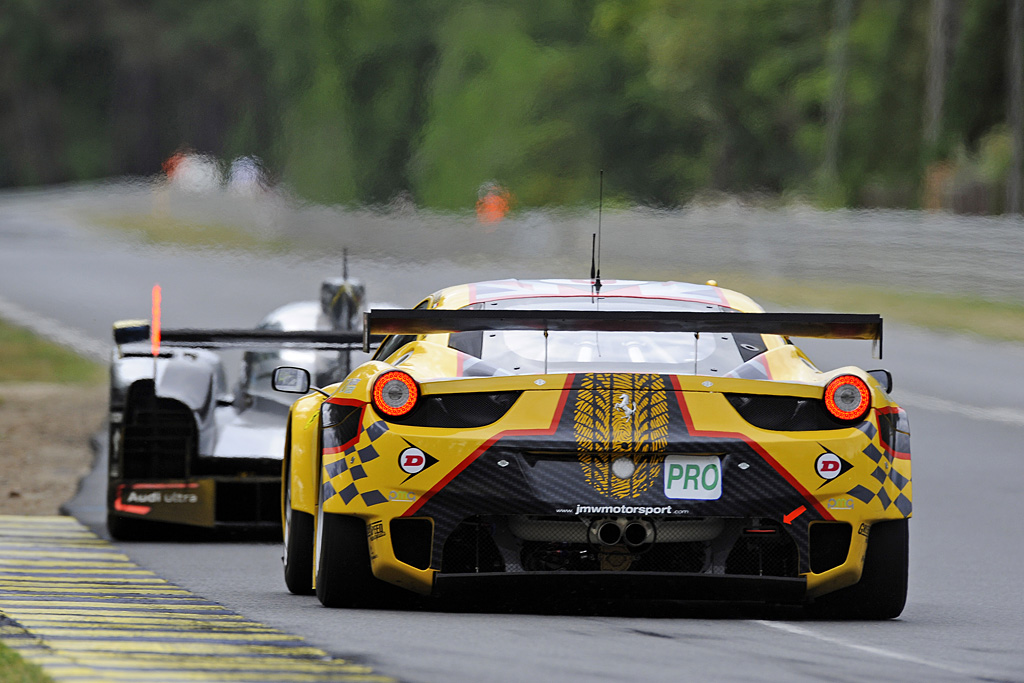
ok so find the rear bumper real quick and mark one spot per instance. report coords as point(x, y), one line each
point(209, 502)
point(625, 585)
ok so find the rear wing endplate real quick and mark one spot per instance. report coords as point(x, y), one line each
point(866, 326)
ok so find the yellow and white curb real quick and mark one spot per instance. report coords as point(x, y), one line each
point(75, 605)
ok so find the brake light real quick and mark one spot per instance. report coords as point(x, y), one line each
point(847, 397)
point(395, 393)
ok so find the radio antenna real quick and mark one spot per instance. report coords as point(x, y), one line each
point(593, 255)
point(600, 206)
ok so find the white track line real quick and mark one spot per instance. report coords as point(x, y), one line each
point(869, 649)
point(56, 332)
point(1004, 415)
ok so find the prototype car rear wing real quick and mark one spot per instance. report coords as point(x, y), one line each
point(866, 326)
point(135, 331)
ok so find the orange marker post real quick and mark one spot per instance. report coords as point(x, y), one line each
point(154, 332)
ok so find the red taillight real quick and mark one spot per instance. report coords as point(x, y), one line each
point(395, 393)
point(847, 397)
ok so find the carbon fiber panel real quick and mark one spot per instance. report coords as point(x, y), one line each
point(568, 473)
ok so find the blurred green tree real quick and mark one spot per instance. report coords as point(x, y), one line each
point(851, 102)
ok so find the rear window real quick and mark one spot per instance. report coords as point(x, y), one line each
point(523, 351)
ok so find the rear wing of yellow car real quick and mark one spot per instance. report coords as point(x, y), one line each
point(866, 326)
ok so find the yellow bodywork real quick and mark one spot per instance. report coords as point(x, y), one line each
point(707, 411)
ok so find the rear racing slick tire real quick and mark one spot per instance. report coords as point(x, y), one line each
point(343, 575)
point(298, 545)
point(881, 592)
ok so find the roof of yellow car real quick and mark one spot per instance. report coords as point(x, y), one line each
point(459, 296)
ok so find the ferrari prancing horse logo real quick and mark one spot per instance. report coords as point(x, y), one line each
point(621, 416)
point(623, 405)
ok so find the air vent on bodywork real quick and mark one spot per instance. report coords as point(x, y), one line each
point(342, 422)
point(784, 413)
point(459, 411)
point(160, 436)
point(411, 540)
point(829, 545)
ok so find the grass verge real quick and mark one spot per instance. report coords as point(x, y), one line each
point(25, 357)
point(162, 228)
point(14, 669)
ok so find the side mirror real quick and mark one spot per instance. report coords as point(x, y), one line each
point(884, 378)
point(291, 380)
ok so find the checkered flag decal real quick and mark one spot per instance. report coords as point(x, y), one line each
point(344, 477)
point(884, 472)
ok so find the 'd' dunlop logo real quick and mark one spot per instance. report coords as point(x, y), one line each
point(620, 416)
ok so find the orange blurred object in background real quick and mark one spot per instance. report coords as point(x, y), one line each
point(170, 166)
point(493, 205)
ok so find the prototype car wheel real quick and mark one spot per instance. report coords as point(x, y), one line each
point(298, 545)
point(881, 592)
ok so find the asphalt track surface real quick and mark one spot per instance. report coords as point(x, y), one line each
point(965, 614)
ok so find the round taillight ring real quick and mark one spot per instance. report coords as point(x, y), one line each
point(847, 397)
point(395, 394)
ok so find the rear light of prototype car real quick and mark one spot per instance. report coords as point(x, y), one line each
point(847, 397)
point(395, 394)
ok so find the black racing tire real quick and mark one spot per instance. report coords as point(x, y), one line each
point(881, 592)
point(343, 576)
point(298, 545)
point(128, 528)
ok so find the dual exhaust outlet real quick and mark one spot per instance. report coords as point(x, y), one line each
point(633, 532)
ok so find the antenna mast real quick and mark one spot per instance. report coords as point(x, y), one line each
point(593, 253)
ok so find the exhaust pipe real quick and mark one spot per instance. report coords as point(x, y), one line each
point(638, 533)
point(634, 533)
point(605, 532)
point(609, 533)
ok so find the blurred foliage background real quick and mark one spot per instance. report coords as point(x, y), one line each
point(866, 103)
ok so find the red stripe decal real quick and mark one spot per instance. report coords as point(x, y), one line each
point(179, 485)
point(344, 401)
point(550, 429)
point(754, 445)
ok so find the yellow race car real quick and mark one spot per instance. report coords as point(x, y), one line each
point(622, 439)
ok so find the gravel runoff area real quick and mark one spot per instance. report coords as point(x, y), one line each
point(45, 432)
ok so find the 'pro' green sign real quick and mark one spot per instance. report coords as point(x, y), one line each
point(693, 477)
